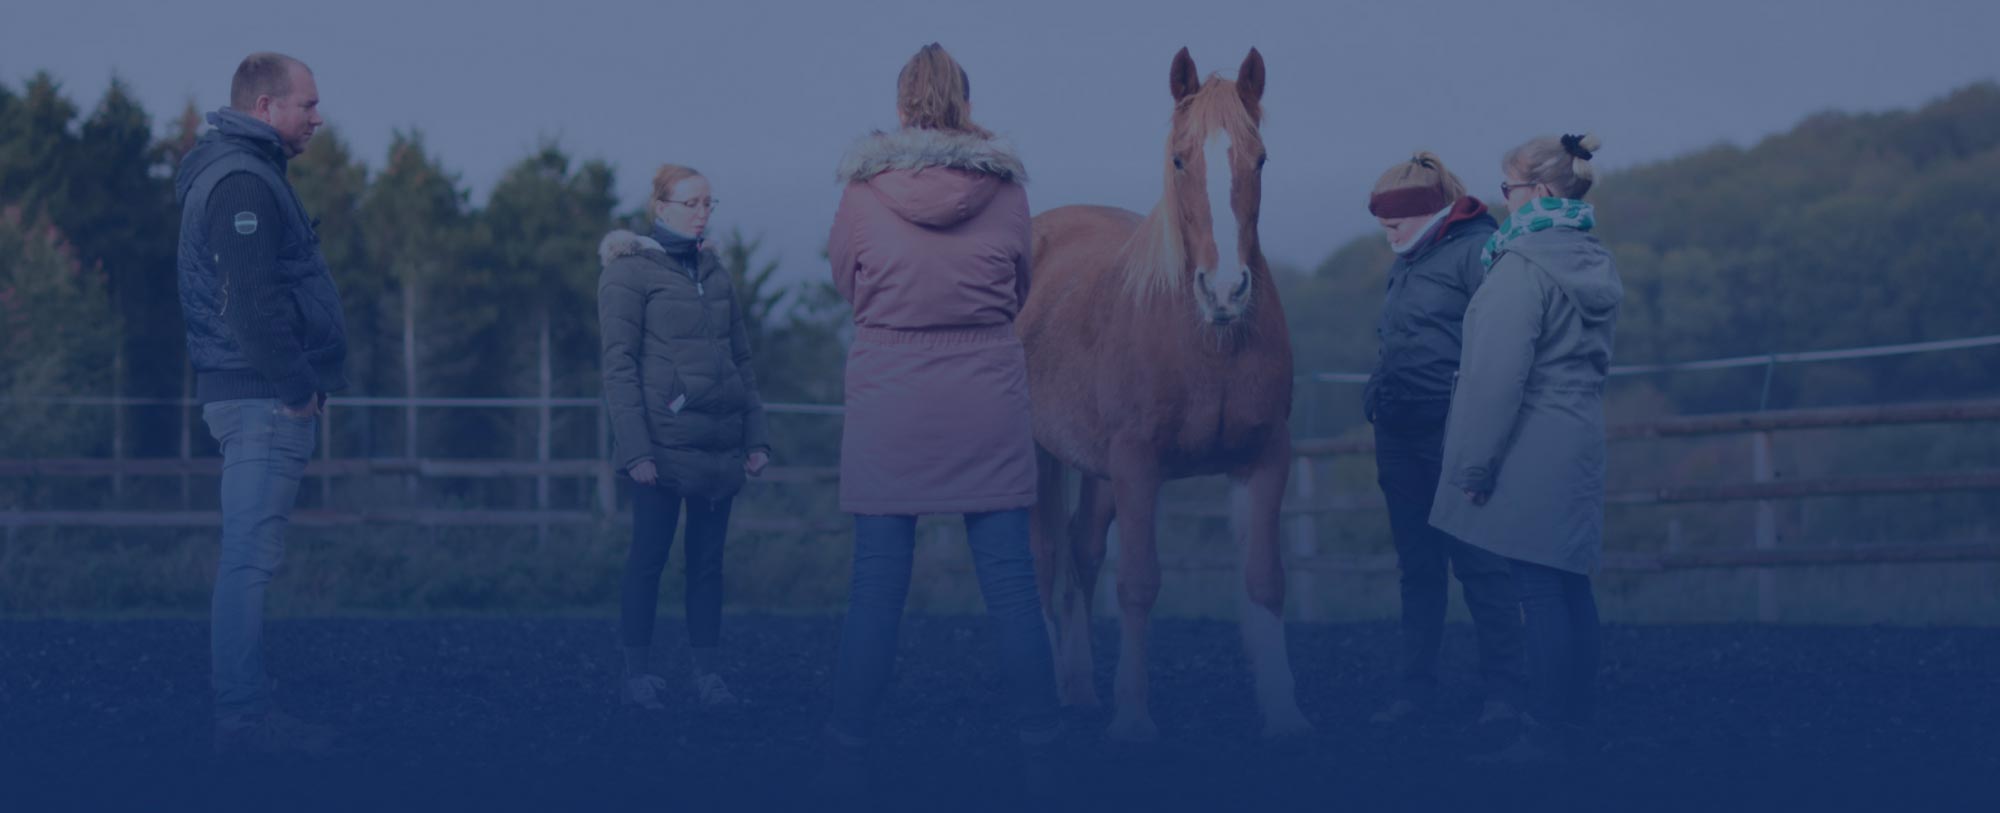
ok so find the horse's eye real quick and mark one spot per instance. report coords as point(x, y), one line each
point(1178, 163)
point(1261, 159)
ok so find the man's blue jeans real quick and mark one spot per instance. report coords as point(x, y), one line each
point(884, 547)
point(264, 454)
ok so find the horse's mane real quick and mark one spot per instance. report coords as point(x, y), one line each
point(1153, 257)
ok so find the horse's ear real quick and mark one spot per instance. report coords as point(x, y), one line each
point(1250, 80)
point(1182, 77)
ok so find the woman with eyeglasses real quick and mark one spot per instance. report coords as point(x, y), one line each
point(1524, 442)
point(687, 423)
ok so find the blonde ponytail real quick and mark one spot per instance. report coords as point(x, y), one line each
point(1562, 163)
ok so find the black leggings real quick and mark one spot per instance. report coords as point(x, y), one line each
point(655, 512)
point(1563, 647)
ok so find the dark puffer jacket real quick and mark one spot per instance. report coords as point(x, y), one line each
point(1422, 318)
point(667, 333)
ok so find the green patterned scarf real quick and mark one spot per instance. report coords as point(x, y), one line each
point(1539, 215)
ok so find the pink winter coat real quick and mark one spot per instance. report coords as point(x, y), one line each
point(931, 247)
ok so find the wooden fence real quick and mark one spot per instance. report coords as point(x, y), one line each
point(1306, 505)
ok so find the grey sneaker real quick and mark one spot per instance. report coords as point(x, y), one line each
point(271, 733)
point(643, 691)
point(712, 692)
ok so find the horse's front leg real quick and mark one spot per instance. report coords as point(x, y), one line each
point(1256, 498)
point(1135, 483)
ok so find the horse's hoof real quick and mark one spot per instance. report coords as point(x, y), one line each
point(1133, 731)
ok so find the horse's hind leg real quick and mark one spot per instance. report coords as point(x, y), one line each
point(1255, 502)
point(1054, 564)
point(1075, 680)
point(1046, 537)
point(1136, 487)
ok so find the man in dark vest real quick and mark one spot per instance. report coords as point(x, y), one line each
point(267, 342)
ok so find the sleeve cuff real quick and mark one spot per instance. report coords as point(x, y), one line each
point(1476, 478)
point(297, 396)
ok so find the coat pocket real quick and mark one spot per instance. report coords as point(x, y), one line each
point(662, 389)
point(312, 326)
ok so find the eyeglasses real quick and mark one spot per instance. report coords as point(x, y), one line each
point(704, 204)
point(1507, 189)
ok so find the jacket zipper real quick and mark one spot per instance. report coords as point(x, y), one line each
point(707, 325)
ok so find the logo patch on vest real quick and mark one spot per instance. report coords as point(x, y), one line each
point(246, 222)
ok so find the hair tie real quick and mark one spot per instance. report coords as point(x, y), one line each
point(1573, 144)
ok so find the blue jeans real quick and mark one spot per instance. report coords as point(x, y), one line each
point(1563, 643)
point(264, 456)
point(1409, 459)
point(883, 550)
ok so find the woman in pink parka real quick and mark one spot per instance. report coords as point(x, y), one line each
point(931, 248)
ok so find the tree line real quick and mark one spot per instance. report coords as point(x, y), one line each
point(443, 297)
point(1848, 230)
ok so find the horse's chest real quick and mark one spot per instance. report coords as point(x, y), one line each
point(1215, 429)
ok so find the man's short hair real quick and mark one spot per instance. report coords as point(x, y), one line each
point(264, 73)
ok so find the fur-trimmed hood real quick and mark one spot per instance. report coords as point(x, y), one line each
point(894, 166)
point(915, 148)
point(622, 243)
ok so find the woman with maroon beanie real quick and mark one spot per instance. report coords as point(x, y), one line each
point(1436, 230)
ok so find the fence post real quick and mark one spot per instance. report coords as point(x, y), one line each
point(1762, 471)
point(1305, 536)
point(410, 388)
point(187, 434)
point(118, 425)
point(607, 496)
point(542, 430)
point(326, 455)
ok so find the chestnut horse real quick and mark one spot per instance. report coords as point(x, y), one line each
point(1157, 350)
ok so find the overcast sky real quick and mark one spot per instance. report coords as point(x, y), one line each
point(765, 96)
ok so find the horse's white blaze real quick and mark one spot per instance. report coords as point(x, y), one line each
point(1228, 271)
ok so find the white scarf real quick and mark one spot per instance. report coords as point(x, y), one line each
point(1418, 240)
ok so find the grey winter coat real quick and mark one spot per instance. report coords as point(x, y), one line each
point(1527, 416)
point(666, 334)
